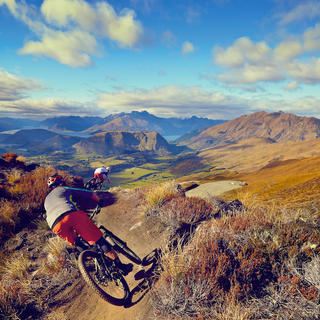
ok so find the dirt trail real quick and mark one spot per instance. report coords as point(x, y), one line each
point(211, 189)
point(124, 217)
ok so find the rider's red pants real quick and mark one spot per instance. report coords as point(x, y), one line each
point(99, 176)
point(77, 222)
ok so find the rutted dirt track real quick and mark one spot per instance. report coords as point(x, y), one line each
point(124, 215)
point(125, 218)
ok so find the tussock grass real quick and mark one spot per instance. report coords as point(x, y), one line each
point(244, 258)
point(158, 195)
point(17, 267)
point(14, 176)
point(56, 255)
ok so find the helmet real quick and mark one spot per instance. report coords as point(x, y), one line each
point(55, 180)
point(108, 169)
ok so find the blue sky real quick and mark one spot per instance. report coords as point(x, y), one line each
point(210, 58)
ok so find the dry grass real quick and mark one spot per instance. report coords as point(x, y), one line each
point(241, 258)
point(17, 267)
point(293, 183)
point(28, 288)
point(25, 198)
point(158, 195)
point(14, 176)
point(56, 256)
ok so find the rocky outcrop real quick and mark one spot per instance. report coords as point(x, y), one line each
point(123, 142)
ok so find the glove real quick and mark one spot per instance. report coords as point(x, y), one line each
point(100, 203)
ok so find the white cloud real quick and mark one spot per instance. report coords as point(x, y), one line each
point(11, 4)
point(305, 72)
point(288, 50)
point(305, 10)
point(101, 19)
point(77, 22)
point(173, 100)
point(250, 74)
point(242, 51)
point(246, 62)
point(312, 38)
point(14, 100)
point(187, 47)
point(44, 108)
point(14, 88)
point(293, 85)
point(70, 48)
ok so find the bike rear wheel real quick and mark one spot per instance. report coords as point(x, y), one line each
point(90, 185)
point(109, 284)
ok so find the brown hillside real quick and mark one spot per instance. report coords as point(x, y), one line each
point(278, 126)
point(120, 142)
point(253, 154)
point(290, 183)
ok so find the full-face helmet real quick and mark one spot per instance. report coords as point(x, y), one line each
point(55, 180)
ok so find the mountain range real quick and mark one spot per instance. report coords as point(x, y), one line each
point(41, 141)
point(134, 121)
point(276, 126)
point(244, 133)
point(144, 121)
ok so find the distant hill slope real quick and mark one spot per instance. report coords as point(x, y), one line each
point(7, 124)
point(253, 154)
point(278, 126)
point(136, 121)
point(124, 142)
point(71, 123)
point(37, 141)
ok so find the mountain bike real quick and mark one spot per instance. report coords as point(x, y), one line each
point(101, 273)
point(92, 184)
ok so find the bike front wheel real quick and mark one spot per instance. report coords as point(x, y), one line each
point(108, 283)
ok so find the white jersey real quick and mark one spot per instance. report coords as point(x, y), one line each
point(102, 171)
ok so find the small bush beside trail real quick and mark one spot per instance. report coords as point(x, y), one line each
point(246, 257)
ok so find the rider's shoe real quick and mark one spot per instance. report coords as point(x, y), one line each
point(126, 268)
point(140, 275)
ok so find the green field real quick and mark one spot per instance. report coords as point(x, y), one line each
point(132, 170)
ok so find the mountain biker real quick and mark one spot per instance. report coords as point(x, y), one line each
point(100, 172)
point(67, 221)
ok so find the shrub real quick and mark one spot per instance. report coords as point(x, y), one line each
point(21, 159)
point(295, 296)
point(182, 210)
point(242, 257)
point(32, 190)
point(9, 157)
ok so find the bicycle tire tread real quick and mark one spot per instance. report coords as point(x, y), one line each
point(92, 284)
